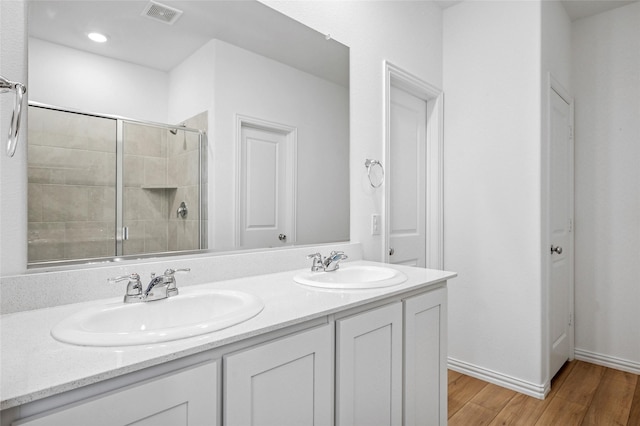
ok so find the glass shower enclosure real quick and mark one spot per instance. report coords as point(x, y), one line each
point(103, 187)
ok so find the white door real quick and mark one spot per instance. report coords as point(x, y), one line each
point(407, 166)
point(265, 188)
point(561, 250)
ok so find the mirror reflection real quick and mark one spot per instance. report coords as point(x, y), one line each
point(223, 127)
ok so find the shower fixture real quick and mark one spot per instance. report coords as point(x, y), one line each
point(174, 131)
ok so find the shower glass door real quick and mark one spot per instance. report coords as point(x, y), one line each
point(161, 189)
point(102, 187)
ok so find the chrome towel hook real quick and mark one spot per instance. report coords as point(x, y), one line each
point(369, 164)
point(20, 89)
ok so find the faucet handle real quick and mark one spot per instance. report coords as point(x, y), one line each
point(317, 264)
point(134, 286)
point(170, 271)
point(172, 290)
point(130, 277)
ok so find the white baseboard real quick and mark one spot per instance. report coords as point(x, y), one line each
point(607, 361)
point(532, 389)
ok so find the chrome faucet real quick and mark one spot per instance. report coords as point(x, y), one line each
point(327, 264)
point(160, 287)
point(331, 262)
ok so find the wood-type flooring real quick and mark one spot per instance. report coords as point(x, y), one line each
point(581, 394)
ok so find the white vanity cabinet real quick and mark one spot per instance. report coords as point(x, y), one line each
point(185, 397)
point(288, 381)
point(369, 367)
point(341, 358)
point(391, 363)
point(425, 359)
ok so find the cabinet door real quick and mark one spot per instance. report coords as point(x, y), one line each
point(369, 368)
point(285, 382)
point(187, 397)
point(425, 355)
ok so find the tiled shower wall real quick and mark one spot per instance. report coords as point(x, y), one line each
point(72, 186)
point(161, 170)
point(146, 194)
point(71, 191)
point(182, 169)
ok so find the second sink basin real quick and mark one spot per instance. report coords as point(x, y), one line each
point(352, 277)
point(189, 314)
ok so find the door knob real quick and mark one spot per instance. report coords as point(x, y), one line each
point(391, 251)
point(282, 237)
point(556, 249)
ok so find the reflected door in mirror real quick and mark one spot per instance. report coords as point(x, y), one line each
point(267, 173)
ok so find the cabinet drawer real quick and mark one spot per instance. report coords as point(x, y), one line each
point(186, 397)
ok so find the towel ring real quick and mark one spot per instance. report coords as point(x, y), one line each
point(369, 164)
point(20, 89)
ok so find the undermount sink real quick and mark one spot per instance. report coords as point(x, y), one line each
point(352, 277)
point(189, 314)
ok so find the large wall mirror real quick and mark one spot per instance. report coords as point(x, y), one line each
point(197, 125)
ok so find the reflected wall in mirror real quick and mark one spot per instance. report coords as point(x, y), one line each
point(248, 72)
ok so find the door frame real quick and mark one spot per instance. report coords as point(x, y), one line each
point(554, 85)
point(291, 136)
point(434, 209)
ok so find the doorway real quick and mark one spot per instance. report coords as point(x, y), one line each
point(560, 226)
point(414, 156)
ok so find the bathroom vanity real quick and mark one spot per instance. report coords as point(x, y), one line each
point(312, 356)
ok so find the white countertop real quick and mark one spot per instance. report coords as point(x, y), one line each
point(33, 365)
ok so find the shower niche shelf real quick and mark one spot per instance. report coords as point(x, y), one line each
point(167, 186)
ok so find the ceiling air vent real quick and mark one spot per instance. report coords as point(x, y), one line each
point(161, 12)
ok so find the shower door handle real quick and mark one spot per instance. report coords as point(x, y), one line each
point(125, 233)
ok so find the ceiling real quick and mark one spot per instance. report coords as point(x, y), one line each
point(576, 9)
point(138, 39)
point(250, 25)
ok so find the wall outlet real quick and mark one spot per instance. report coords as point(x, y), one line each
point(375, 224)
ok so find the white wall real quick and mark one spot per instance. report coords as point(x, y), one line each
point(254, 86)
point(227, 81)
point(78, 80)
point(191, 85)
point(606, 86)
point(556, 45)
point(492, 78)
point(409, 35)
point(13, 171)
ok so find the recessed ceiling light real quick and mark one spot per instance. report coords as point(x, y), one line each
point(97, 37)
